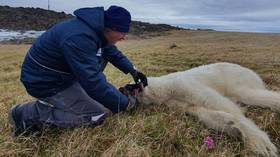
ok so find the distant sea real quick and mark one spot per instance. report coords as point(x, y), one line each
point(256, 29)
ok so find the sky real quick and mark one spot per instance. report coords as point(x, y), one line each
point(223, 15)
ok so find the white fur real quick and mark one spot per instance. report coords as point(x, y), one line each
point(211, 92)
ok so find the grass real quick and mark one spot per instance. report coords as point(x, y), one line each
point(150, 130)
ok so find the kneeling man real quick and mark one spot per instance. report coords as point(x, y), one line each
point(63, 70)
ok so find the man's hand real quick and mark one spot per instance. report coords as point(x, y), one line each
point(131, 91)
point(139, 77)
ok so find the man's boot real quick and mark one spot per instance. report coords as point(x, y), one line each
point(21, 127)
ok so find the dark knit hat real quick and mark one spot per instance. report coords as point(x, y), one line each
point(117, 18)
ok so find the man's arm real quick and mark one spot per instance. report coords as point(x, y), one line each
point(80, 54)
point(114, 56)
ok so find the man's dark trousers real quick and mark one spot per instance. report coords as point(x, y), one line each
point(69, 108)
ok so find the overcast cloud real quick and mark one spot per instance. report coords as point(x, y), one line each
point(230, 15)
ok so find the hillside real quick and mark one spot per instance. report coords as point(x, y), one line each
point(150, 130)
point(19, 18)
point(29, 18)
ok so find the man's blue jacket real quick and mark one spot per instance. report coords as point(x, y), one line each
point(75, 50)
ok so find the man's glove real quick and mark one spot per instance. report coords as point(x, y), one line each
point(139, 77)
point(131, 89)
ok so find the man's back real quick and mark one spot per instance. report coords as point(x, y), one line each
point(45, 70)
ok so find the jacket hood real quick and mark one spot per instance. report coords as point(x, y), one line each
point(94, 17)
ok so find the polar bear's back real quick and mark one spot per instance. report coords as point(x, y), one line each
point(237, 76)
point(220, 76)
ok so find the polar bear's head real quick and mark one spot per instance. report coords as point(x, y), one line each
point(148, 95)
point(145, 96)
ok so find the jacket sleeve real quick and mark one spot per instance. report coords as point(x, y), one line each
point(80, 53)
point(114, 56)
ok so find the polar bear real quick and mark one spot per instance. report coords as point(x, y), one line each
point(212, 93)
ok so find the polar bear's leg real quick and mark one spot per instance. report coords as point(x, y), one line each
point(203, 96)
point(258, 97)
point(238, 126)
